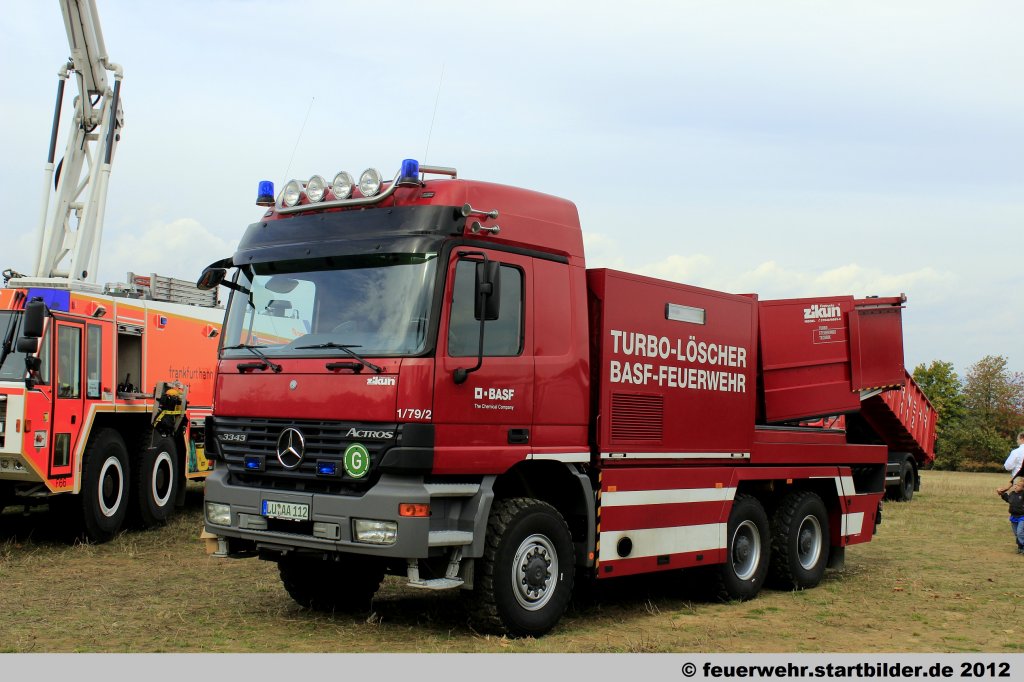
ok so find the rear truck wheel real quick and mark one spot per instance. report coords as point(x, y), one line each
point(746, 562)
point(345, 586)
point(156, 482)
point(902, 490)
point(524, 580)
point(104, 494)
point(800, 541)
point(905, 492)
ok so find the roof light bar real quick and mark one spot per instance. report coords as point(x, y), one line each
point(371, 187)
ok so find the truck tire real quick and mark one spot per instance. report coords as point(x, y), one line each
point(345, 586)
point(800, 542)
point(746, 559)
point(156, 482)
point(524, 580)
point(104, 494)
point(904, 491)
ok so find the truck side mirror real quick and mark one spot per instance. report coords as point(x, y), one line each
point(27, 344)
point(35, 315)
point(210, 278)
point(487, 294)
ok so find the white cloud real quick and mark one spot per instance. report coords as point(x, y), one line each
point(180, 248)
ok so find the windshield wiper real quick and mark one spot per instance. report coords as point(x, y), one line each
point(348, 349)
point(267, 362)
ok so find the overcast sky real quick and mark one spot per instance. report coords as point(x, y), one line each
point(787, 148)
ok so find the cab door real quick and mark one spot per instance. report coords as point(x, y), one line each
point(482, 425)
point(68, 395)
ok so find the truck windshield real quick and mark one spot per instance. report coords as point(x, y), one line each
point(376, 304)
point(12, 363)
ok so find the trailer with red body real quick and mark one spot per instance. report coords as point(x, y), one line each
point(422, 378)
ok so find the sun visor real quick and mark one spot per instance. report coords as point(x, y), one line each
point(404, 229)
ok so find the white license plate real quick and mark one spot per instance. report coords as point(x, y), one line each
point(292, 511)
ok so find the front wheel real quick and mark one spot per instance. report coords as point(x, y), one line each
point(525, 578)
point(104, 494)
point(746, 561)
point(156, 483)
point(344, 586)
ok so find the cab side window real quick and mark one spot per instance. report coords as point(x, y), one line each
point(69, 367)
point(502, 337)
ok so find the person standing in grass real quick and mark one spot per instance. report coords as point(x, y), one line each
point(1016, 459)
point(1014, 495)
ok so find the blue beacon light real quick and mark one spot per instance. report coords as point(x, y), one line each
point(265, 195)
point(410, 175)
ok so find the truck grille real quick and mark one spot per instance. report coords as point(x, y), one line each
point(237, 438)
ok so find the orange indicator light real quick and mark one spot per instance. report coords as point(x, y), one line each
point(413, 509)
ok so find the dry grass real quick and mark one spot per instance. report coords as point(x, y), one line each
point(942, 576)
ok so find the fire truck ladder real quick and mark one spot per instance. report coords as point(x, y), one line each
point(69, 234)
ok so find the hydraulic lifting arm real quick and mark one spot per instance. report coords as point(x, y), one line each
point(71, 222)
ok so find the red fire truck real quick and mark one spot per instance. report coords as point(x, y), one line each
point(421, 378)
point(103, 388)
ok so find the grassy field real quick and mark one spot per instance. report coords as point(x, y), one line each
point(941, 576)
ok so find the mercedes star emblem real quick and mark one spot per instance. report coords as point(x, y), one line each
point(291, 446)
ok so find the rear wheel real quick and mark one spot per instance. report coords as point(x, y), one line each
point(903, 491)
point(525, 578)
point(800, 541)
point(104, 494)
point(345, 586)
point(156, 482)
point(746, 563)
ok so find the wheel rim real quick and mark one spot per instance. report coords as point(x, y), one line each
point(162, 480)
point(746, 550)
point(808, 542)
point(535, 568)
point(111, 487)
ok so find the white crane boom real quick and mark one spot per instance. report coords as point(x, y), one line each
point(71, 224)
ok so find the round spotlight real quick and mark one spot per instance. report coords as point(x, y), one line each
point(316, 188)
point(342, 185)
point(369, 182)
point(292, 193)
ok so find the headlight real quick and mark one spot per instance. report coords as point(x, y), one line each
point(375, 532)
point(292, 192)
point(218, 514)
point(315, 188)
point(369, 182)
point(342, 185)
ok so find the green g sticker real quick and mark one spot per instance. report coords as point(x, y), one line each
point(357, 460)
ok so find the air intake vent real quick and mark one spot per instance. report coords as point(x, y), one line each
point(637, 417)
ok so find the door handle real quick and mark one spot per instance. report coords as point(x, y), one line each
point(72, 419)
point(518, 436)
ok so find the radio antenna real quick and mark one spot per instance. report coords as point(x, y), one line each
point(298, 139)
point(434, 115)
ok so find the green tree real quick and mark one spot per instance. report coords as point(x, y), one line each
point(939, 381)
point(993, 399)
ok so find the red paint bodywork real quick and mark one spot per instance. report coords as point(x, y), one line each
point(646, 385)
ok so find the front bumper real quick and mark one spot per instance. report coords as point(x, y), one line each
point(456, 512)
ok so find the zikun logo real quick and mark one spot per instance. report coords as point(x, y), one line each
point(827, 311)
point(381, 381)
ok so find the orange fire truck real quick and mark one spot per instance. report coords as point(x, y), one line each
point(103, 388)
